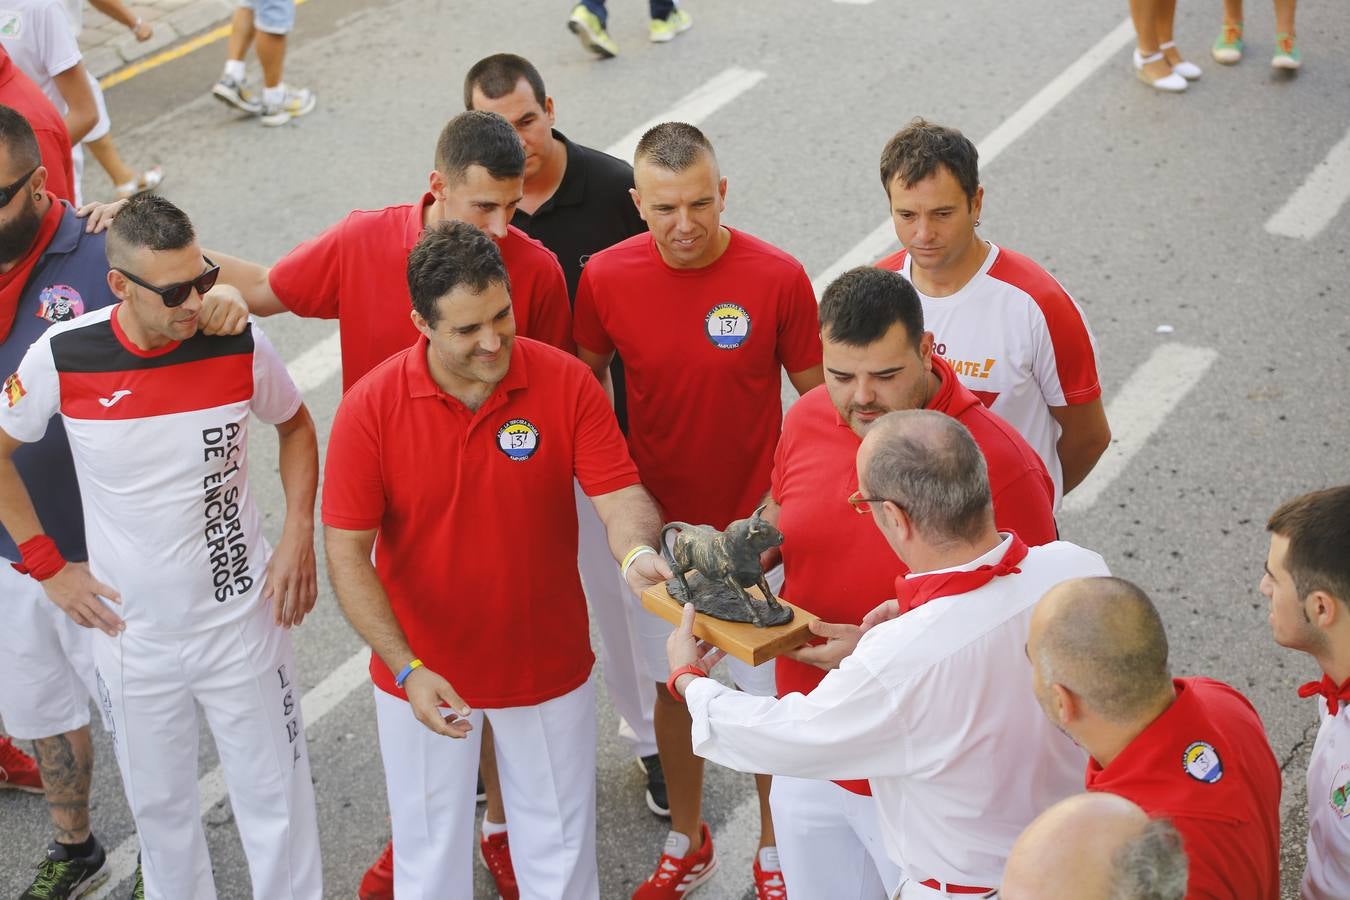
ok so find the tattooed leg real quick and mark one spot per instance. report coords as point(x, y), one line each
point(67, 762)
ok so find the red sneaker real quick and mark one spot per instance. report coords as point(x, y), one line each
point(18, 771)
point(378, 882)
point(495, 852)
point(769, 883)
point(678, 876)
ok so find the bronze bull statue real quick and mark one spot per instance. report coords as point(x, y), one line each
point(728, 562)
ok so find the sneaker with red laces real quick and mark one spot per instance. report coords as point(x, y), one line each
point(495, 852)
point(769, 884)
point(678, 876)
point(18, 771)
point(378, 882)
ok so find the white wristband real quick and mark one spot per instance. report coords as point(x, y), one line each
point(632, 558)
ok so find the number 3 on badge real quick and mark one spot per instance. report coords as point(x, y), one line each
point(727, 325)
point(518, 439)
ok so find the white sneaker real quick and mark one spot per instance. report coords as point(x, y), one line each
point(296, 103)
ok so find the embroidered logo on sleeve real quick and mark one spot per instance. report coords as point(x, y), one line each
point(728, 325)
point(518, 439)
point(59, 303)
point(1340, 791)
point(1201, 762)
point(14, 390)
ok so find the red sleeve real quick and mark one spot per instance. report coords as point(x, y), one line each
point(1026, 505)
point(587, 329)
point(353, 484)
point(54, 150)
point(799, 325)
point(1074, 375)
point(550, 315)
point(600, 461)
point(308, 279)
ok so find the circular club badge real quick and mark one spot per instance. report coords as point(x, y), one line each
point(1201, 762)
point(60, 303)
point(728, 325)
point(518, 439)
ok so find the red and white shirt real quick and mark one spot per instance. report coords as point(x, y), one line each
point(357, 272)
point(1016, 338)
point(1328, 874)
point(477, 549)
point(935, 709)
point(160, 444)
point(703, 351)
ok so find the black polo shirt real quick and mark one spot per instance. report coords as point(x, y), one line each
point(590, 210)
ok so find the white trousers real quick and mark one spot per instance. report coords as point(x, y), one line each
point(829, 841)
point(243, 675)
point(912, 890)
point(630, 690)
point(546, 760)
point(46, 662)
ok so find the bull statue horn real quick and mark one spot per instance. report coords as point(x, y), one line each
point(759, 509)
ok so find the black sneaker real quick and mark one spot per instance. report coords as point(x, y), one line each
point(656, 785)
point(63, 877)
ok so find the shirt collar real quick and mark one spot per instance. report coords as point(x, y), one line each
point(421, 384)
point(68, 234)
point(414, 226)
point(984, 559)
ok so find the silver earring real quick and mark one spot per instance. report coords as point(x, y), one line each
point(977, 223)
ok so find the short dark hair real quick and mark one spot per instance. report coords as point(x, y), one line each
point(1317, 526)
point(147, 221)
point(17, 137)
point(861, 305)
point(675, 146)
point(497, 75)
point(452, 255)
point(920, 147)
point(927, 463)
point(477, 138)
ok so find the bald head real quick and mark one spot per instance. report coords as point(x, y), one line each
point(1096, 847)
point(1102, 639)
point(927, 463)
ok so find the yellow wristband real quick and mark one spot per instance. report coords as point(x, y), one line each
point(632, 555)
point(407, 670)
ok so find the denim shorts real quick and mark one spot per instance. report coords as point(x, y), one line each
point(272, 16)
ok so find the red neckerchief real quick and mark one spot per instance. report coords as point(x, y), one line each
point(916, 590)
point(1334, 694)
point(15, 280)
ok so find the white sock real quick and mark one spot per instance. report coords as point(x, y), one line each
point(274, 96)
point(768, 860)
point(234, 68)
point(677, 845)
point(491, 828)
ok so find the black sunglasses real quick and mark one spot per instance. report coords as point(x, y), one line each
point(9, 192)
point(176, 295)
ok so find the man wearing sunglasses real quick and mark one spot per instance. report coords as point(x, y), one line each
point(51, 270)
point(931, 706)
point(157, 415)
point(878, 358)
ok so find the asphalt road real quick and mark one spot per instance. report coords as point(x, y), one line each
point(1151, 209)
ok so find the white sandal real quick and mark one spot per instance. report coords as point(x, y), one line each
point(1188, 70)
point(1171, 83)
point(146, 181)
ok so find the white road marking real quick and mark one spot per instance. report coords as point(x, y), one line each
point(696, 106)
point(1138, 409)
point(1318, 199)
point(322, 699)
point(881, 239)
point(319, 363)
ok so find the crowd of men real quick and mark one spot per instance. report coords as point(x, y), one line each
point(546, 357)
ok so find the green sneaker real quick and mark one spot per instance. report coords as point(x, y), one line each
point(1227, 47)
point(591, 32)
point(662, 30)
point(1286, 53)
point(62, 877)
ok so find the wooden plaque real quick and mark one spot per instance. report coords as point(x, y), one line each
point(743, 640)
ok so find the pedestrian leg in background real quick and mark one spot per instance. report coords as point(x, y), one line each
point(127, 182)
point(667, 21)
point(1150, 64)
point(265, 23)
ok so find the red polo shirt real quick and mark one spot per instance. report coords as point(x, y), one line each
point(836, 563)
point(477, 520)
point(1206, 764)
point(357, 272)
point(702, 349)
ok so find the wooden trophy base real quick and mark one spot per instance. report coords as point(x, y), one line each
point(743, 640)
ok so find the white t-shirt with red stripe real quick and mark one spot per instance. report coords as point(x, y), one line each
point(1327, 876)
point(160, 444)
point(1018, 341)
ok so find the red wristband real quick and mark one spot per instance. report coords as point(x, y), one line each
point(41, 558)
point(690, 669)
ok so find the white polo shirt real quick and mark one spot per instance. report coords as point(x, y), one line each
point(936, 709)
point(1328, 874)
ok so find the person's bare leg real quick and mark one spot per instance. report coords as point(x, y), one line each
point(487, 768)
point(766, 836)
point(1232, 11)
point(105, 151)
point(1144, 13)
point(684, 770)
point(241, 33)
point(1284, 16)
point(271, 49)
point(67, 764)
point(1167, 14)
